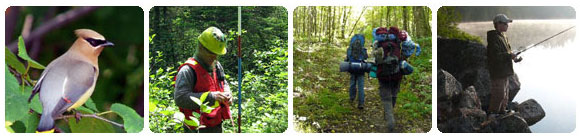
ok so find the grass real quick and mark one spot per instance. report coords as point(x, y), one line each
point(321, 93)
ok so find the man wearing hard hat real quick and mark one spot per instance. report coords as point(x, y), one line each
point(203, 77)
point(500, 56)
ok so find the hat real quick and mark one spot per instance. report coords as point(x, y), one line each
point(214, 40)
point(502, 18)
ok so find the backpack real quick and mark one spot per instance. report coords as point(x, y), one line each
point(356, 51)
point(388, 52)
point(410, 48)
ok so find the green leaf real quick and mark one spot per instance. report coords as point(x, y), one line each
point(90, 125)
point(16, 102)
point(91, 105)
point(85, 110)
point(24, 55)
point(32, 120)
point(8, 128)
point(206, 109)
point(193, 122)
point(13, 61)
point(195, 114)
point(152, 107)
point(132, 121)
point(195, 100)
point(203, 96)
point(35, 104)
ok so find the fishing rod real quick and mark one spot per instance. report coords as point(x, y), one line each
point(529, 47)
point(239, 69)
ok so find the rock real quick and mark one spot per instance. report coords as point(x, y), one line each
point(531, 111)
point(511, 124)
point(463, 92)
point(447, 86)
point(447, 89)
point(513, 86)
point(469, 100)
point(464, 121)
point(467, 62)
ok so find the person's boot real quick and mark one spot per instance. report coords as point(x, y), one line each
point(360, 106)
point(389, 115)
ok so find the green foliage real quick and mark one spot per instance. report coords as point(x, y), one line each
point(133, 122)
point(264, 55)
point(90, 125)
point(24, 55)
point(19, 117)
point(447, 22)
point(161, 104)
point(321, 100)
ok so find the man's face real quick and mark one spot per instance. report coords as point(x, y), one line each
point(209, 56)
point(502, 27)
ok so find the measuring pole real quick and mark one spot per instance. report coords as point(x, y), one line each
point(239, 69)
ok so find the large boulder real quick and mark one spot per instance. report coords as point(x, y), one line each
point(463, 91)
point(465, 121)
point(511, 124)
point(467, 62)
point(447, 86)
point(531, 111)
point(513, 86)
point(469, 99)
point(447, 89)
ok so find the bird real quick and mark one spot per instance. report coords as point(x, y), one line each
point(69, 80)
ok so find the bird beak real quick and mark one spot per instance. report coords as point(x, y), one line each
point(108, 43)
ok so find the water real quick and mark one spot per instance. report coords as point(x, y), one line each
point(548, 72)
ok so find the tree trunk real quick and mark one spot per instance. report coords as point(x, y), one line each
point(405, 18)
point(354, 26)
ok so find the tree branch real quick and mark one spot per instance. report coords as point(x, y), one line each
point(96, 116)
point(56, 22)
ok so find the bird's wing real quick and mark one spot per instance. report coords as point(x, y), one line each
point(78, 84)
point(38, 85)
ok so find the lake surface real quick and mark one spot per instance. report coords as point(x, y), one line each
point(548, 73)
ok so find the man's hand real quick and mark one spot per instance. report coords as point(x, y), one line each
point(222, 97)
point(518, 59)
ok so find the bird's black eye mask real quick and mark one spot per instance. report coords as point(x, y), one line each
point(98, 42)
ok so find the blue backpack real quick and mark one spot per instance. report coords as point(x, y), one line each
point(356, 51)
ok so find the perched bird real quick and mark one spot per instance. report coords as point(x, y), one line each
point(69, 80)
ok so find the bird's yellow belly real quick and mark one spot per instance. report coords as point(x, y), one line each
point(83, 99)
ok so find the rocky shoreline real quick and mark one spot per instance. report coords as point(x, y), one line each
point(463, 91)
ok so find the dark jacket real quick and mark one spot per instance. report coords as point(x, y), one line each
point(499, 59)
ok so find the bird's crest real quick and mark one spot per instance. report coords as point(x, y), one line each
point(88, 33)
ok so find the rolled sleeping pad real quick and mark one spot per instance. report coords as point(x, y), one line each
point(355, 67)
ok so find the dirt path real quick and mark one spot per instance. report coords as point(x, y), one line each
point(321, 101)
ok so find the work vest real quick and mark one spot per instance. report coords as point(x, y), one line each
point(204, 83)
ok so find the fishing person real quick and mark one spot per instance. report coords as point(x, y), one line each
point(500, 65)
point(357, 54)
point(203, 76)
point(391, 48)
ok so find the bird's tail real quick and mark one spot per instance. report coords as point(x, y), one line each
point(46, 124)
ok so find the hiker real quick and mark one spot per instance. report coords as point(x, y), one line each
point(203, 76)
point(357, 53)
point(500, 56)
point(391, 47)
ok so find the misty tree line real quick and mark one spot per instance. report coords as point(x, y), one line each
point(486, 13)
point(325, 23)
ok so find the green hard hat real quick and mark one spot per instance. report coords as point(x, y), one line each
point(214, 40)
